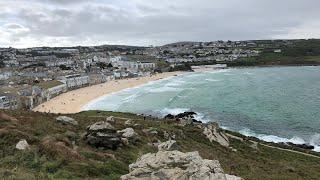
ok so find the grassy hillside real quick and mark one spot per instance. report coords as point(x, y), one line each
point(78, 160)
point(298, 52)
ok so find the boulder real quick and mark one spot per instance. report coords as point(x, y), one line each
point(129, 134)
point(103, 135)
point(150, 131)
point(213, 133)
point(125, 141)
point(155, 143)
point(168, 146)
point(176, 165)
point(22, 145)
point(110, 120)
point(169, 116)
point(128, 122)
point(67, 120)
point(184, 118)
point(101, 126)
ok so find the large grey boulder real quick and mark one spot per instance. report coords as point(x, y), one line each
point(129, 134)
point(166, 165)
point(213, 133)
point(67, 120)
point(22, 145)
point(101, 126)
point(168, 146)
point(102, 135)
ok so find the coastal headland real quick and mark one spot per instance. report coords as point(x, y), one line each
point(73, 101)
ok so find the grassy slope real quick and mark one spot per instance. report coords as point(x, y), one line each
point(300, 52)
point(267, 163)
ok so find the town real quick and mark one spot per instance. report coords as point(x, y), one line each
point(31, 76)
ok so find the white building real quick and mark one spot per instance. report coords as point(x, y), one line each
point(54, 91)
point(8, 102)
point(76, 81)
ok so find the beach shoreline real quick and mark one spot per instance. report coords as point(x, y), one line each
point(74, 101)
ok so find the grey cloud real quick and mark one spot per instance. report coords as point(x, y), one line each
point(145, 22)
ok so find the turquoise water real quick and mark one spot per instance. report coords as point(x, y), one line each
point(274, 104)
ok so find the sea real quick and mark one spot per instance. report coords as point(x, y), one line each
point(275, 104)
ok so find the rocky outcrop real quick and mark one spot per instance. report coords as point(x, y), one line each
point(150, 131)
point(67, 120)
point(168, 165)
point(213, 133)
point(184, 118)
point(22, 145)
point(300, 146)
point(168, 146)
point(111, 120)
point(129, 134)
point(103, 135)
point(128, 122)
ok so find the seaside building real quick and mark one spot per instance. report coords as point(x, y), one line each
point(8, 102)
point(75, 81)
point(55, 91)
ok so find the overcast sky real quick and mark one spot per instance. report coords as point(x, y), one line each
point(28, 23)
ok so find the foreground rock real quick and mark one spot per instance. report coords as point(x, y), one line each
point(168, 146)
point(103, 135)
point(213, 133)
point(22, 145)
point(166, 165)
point(67, 120)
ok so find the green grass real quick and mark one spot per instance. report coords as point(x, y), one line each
point(266, 163)
point(49, 84)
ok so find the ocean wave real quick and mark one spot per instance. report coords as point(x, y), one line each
point(163, 89)
point(213, 80)
point(173, 111)
point(175, 83)
point(219, 71)
point(229, 74)
point(314, 140)
point(248, 73)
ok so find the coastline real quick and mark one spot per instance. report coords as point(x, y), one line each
point(73, 101)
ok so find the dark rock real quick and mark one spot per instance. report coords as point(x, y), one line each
point(302, 146)
point(169, 116)
point(103, 135)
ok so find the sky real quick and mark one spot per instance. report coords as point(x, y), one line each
point(30, 23)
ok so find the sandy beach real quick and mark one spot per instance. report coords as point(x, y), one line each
point(73, 101)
